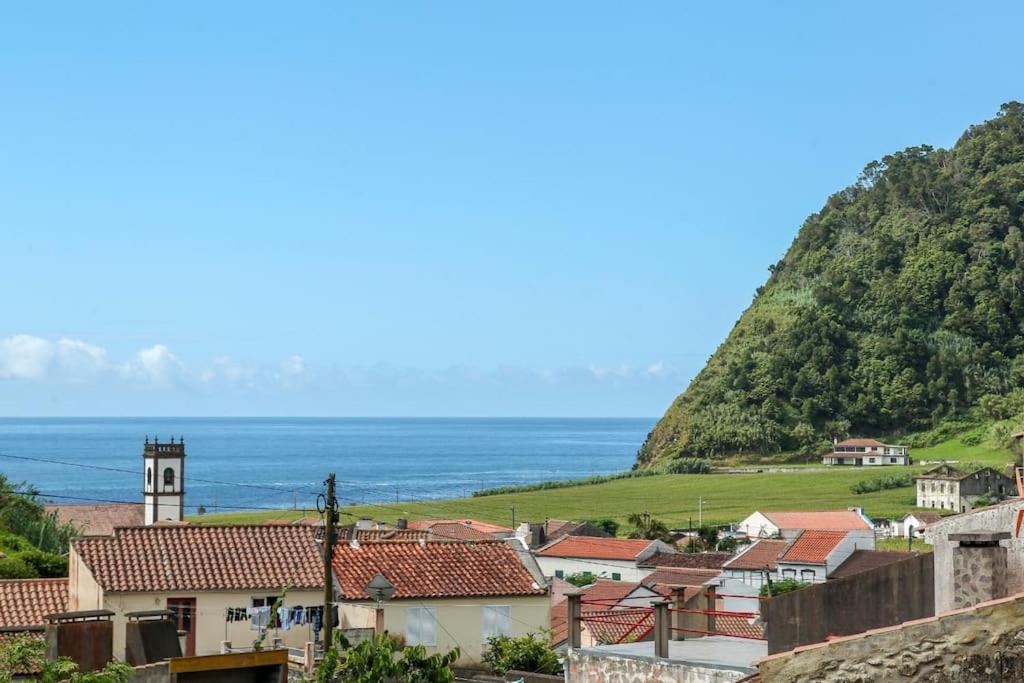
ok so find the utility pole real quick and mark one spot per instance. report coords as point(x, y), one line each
point(330, 520)
point(513, 518)
point(700, 511)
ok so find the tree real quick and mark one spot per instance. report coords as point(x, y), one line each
point(645, 526)
point(783, 586)
point(530, 653)
point(606, 524)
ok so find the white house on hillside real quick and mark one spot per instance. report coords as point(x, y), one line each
point(866, 452)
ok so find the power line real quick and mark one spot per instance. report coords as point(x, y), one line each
point(136, 473)
point(41, 494)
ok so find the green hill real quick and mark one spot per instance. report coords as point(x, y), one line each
point(898, 308)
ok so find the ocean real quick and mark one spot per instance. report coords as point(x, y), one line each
point(378, 460)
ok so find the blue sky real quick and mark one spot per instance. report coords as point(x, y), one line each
point(434, 208)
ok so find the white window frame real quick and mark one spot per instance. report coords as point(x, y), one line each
point(497, 621)
point(421, 626)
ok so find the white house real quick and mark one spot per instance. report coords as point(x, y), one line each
point(752, 566)
point(789, 524)
point(867, 453)
point(447, 594)
point(814, 555)
point(913, 523)
point(610, 558)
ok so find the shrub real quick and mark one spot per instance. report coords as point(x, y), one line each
point(607, 525)
point(531, 653)
point(46, 565)
point(783, 586)
point(581, 579)
point(565, 483)
point(892, 481)
point(688, 466)
point(16, 568)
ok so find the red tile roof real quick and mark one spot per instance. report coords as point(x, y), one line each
point(597, 600)
point(670, 577)
point(485, 527)
point(100, 519)
point(177, 558)
point(759, 555)
point(828, 520)
point(813, 546)
point(687, 560)
point(860, 442)
point(738, 626)
point(434, 570)
point(451, 531)
point(619, 625)
point(24, 602)
point(589, 547)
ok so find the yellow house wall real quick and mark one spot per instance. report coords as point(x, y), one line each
point(211, 608)
point(460, 620)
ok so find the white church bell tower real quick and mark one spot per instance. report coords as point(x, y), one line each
point(163, 484)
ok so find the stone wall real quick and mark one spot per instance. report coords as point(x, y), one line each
point(880, 597)
point(584, 667)
point(998, 517)
point(982, 644)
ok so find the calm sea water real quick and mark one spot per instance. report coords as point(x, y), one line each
point(376, 460)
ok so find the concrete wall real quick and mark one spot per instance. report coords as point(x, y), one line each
point(460, 620)
point(873, 599)
point(627, 570)
point(584, 667)
point(999, 517)
point(974, 645)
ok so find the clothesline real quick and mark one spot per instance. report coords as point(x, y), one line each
point(262, 618)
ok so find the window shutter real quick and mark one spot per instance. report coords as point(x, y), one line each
point(428, 627)
point(412, 625)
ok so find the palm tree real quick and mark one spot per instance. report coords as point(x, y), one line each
point(645, 526)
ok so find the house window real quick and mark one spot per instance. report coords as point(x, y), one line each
point(168, 477)
point(892, 461)
point(871, 460)
point(149, 476)
point(271, 620)
point(616, 576)
point(559, 573)
point(789, 573)
point(420, 626)
point(807, 575)
point(497, 621)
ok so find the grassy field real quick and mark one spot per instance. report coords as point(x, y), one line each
point(672, 498)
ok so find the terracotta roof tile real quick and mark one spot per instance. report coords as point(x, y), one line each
point(598, 599)
point(485, 527)
point(865, 560)
point(24, 602)
point(738, 626)
point(829, 520)
point(595, 548)
point(100, 519)
point(759, 555)
point(813, 546)
point(151, 559)
point(860, 442)
point(688, 560)
point(434, 570)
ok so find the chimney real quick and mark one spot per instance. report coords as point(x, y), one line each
point(364, 523)
point(402, 523)
point(979, 567)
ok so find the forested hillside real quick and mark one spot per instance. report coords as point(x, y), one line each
point(898, 307)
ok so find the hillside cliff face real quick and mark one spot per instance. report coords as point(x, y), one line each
point(898, 305)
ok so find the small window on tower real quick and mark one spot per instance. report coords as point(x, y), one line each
point(168, 477)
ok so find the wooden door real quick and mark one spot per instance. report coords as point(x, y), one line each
point(185, 614)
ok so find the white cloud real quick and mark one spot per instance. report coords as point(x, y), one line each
point(156, 365)
point(24, 357)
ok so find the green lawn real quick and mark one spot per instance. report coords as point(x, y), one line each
point(671, 498)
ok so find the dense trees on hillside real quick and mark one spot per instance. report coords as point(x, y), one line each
point(899, 305)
